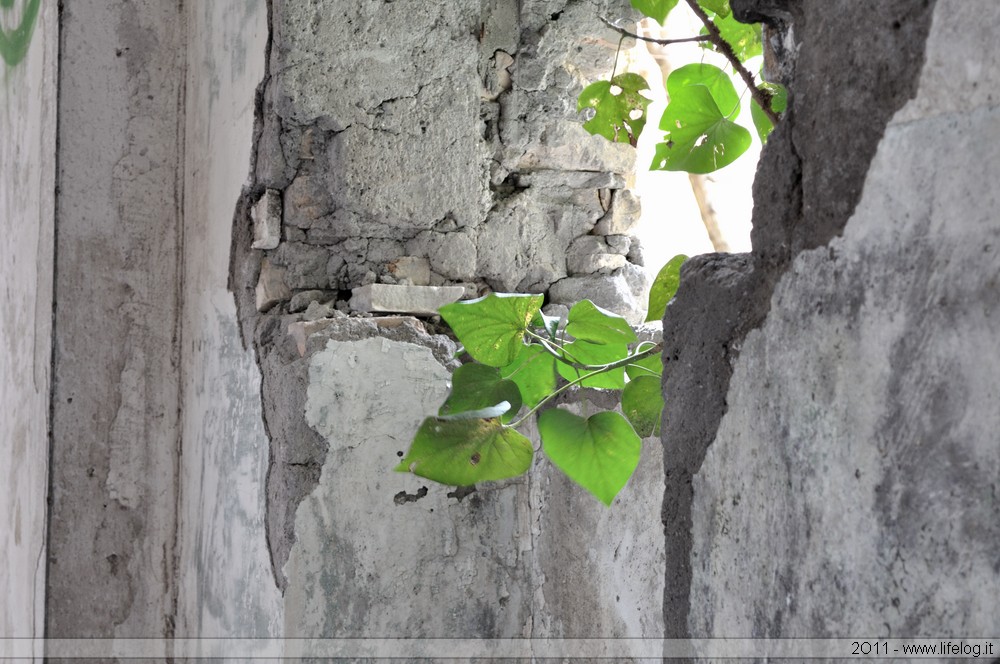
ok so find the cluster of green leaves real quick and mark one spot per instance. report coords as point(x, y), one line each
point(521, 359)
point(701, 134)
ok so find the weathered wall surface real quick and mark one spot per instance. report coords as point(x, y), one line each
point(845, 479)
point(431, 144)
point(28, 44)
point(183, 503)
point(225, 582)
point(116, 358)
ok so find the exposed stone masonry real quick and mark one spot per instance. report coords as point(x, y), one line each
point(409, 154)
point(438, 145)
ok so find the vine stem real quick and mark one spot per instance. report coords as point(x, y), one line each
point(576, 381)
point(662, 42)
point(762, 97)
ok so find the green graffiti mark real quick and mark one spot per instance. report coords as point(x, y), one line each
point(14, 43)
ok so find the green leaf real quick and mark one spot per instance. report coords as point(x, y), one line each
point(717, 7)
point(599, 453)
point(492, 327)
point(587, 352)
point(477, 386)
point(620, 109)
point(588, 321)
point(700, 139)
point(664, 287)
point(642, 404)
point(534, 373)
point(779, 102)
point(718, 82)
point(743, 37)
point(651, 366)
point(657, 9)
point(466, 452)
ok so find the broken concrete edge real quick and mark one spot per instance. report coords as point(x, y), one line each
point(807, 187)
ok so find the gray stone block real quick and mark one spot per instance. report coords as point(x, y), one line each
point(300, 301)
point(416, 270)
point(623, 215)
point(623, 292)
point(387, 298)
point(271, 287)
point(266, 216)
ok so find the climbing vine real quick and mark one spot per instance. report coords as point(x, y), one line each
point(701, 134)
point(521, 361)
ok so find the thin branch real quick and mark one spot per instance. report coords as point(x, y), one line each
point(662, 42)
point(762, 97)
point(708, 213)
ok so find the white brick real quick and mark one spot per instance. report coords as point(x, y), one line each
point(388, 298)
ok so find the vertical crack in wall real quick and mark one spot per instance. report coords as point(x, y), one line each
point(854, 67)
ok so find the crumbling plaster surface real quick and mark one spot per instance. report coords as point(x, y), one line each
point(27, 201)
point(225, 581)
point(365, 558)
point(842, 479)
point(436, 144)
point(380, 554)
point(116, 358)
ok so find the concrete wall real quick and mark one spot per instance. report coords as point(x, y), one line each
point(115, 436)
point(223, 468)
point(27, 200)
point(847, 483)
point(455, 158)
point(224, 576)
point(216, 471)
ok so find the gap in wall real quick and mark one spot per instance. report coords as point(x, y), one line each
point(671, 221)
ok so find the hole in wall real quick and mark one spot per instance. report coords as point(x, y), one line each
point(684, 214)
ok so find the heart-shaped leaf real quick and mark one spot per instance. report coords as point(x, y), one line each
point(492, 327)
point(619, 108)
point(477, 386)
point(718, 82)
point(599, 453)
point(534, 373)
point(656, 9)
point(466, 452)
point(700, 138)
point(588, 321)
point(590, 353)
point(642, 404)
point(664, 287)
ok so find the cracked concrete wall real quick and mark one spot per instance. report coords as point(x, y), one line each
point(116, 379)
point(431, 144)
point(841, 478)
point(27, 202)
point(183, 502)
point(224, 576)
point(367, 114)
point(377, 553)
